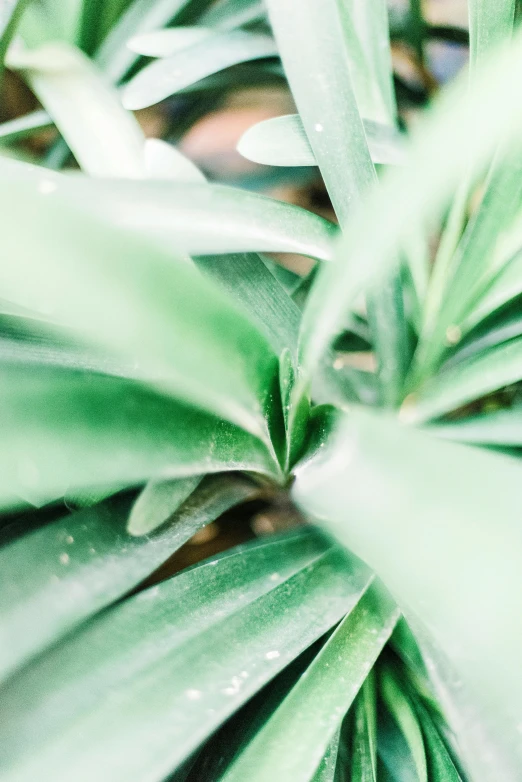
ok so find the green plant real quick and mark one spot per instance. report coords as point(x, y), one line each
point(157, 371)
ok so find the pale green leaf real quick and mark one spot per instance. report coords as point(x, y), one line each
point(10, 15)
point(199, 219)
point(164, 161)
point(282, 141)
point(19, 128)
point(168, 41)
point(142, 16)
point(294, 741)
point(449, 504)
point(500, 428)
point(365, 27)
point(247, 278)
point(54, 577)
point(150, 308)
point(228, 14)
point(158, 503)
point(169, 75)
point(105, 139)
point(137, 690)
point(464, 382)
point(490, 23)
point(411, 196)
point(321, 85)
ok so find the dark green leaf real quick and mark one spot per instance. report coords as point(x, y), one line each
point(65, 431)
point(158, 673)
point(293, 742)
point(150, 308)
point(54, 577)
point(251, 283)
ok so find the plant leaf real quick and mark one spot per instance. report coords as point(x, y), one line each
point(141, 16)
point(189, 652)
point(326, 770)
point(321, 85)
point(410, 197)
point(199, 219)
point(294, 741)
point(228, 14)
point(364, 748)
point(502, 427)
point(441, 766)
point(448, 503)
point(169, 75)
point(20, 127)
point(164, 161)
point(158, 502)
point(66, 431)
point(490, 24)
point(150, 308)
point(282, 141)
point(248, 280)
point(466, 381)
point(405, 717)
point(366, 31)
point(168, 41)
point(10, 16)
point(105, 139)
point(54, 577)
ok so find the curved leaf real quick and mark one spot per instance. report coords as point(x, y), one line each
point(165, 77)
point(199, 219)
point(168, 41)
point(65, 431)
point(188, 653)
point(294, 741)
point(149, 308)
point(141, 16)
point(282, 141)
point(452, 505)
point(158, 502)
point(164, 161)
point(105, 139)
point(465, 382)
point(56, 576)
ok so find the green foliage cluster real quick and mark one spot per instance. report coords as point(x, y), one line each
point(157, 370)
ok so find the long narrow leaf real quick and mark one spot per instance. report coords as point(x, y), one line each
point(56, 576)
point(169, 75)
point(449, 504)
point(282, 141)
point(145, 300)
point(106, 139)
point(321, 85)
point(409, 198)
point(294, 740)
point(160, 672)
point(249, 280)
point(66, 431)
